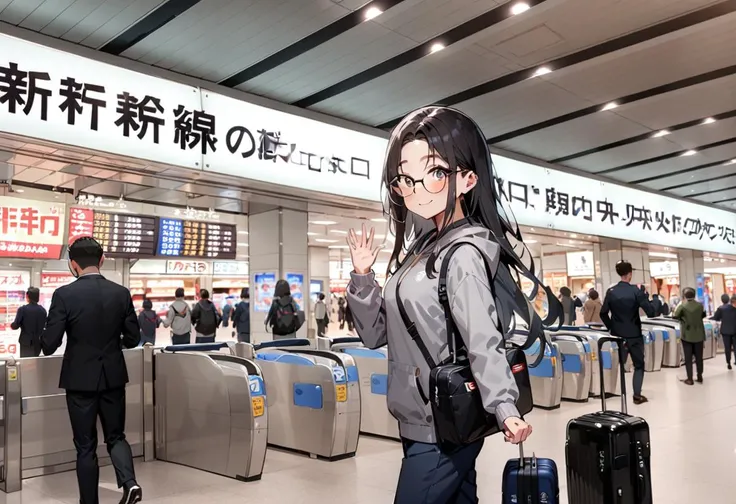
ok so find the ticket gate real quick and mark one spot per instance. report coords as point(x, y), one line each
point(211, 411)
point(648, 337)
point(609, 357)
point(672, 349)
point(42, 425)
point(313, 398)
point(659, 336)
point(576, 365)
point(546, 377)
point(709, 346)
point(375, 418)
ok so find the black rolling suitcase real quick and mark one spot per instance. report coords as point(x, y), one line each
point(608, 453)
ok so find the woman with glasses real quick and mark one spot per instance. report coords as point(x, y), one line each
point(440, 191)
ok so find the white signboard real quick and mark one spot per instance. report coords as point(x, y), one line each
point(235, 268)
point(69, 99)
point(272, 146)
point(664, 269)
point(552, 199)
point(580, 264)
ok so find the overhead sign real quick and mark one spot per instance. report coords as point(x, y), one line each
point(187, 267)
point(580, 264)
point(664, 269)
point(271, 146)
point(81, 223)
point(125, 235)
point(552, 199)
point(31, 229)
point(62, 97)
point(209, 240)
point(55, 280)
point(235, 268)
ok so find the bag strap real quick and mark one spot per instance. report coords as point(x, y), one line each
point(412, 328)
point(445, 302)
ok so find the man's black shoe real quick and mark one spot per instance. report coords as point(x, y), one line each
point(132, 495)
point(700, 379)
point(640, 399)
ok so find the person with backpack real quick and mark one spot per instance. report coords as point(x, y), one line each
point(320, 314)
point(205, 318)
point(283, 317)
point(241, 316)
point(149, 322)
point(452, 275)
point(179, 319)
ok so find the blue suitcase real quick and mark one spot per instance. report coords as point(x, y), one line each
point(530, 481)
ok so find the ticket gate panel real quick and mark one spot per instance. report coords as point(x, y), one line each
point(708, 345)
point(648, 337)
point(659, 335)
point(546, 378)
point(47, 444)
point(576, 366)
point(210, 413)
point(672, 349)
point(329, 431)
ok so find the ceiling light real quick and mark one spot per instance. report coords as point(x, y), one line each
point(573, 235)
point(437, 46)
point(243, 232)
point(378, 219)
point(19, 190)
point(689, 152)
point(312, 234)
point(322, 240)
point(519, 7)
point(323, 223)
point(338, 231)
point(338, 246)
point(708, 120)
point(542, 71)
point(530, 241)
point(661, 133)
point(610, 106)
point(372, 12)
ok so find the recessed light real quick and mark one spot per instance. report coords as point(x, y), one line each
point(661, 133)
point(312, 234)
point(542, 71)
point(322, 240)
point(242, 232)
point(690, 152)
point(378, 219)
point(338, 246)
point(20, 190)
point(610, 106)
point(338, 231)
point(372, 12)
point(708, 120)
point(530, 241)
point(242, 245)
point(519, 7)
point(573, 235)
point(437, 46)
point(323, 223)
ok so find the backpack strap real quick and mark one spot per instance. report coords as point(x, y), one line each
point(412, 328)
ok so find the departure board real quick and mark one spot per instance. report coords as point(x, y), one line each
point(206, 240)
point(124, 235)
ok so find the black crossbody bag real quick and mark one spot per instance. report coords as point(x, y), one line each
point(457, 406)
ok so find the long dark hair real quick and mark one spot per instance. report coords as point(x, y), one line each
point(282, 289)
point(459, 141)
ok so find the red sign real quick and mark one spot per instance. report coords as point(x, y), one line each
point(81, 223)
point(30, 229)
point(55, 280)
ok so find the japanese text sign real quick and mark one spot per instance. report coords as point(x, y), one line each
point(272, 146)
point(31, 229)
point(187, 267)
point(57, 96)
point(554, 199)
point(81, 223)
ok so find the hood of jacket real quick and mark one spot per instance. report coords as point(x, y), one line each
point(285, 300)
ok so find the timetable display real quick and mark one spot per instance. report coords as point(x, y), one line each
point(207, 240)
point(125, 235)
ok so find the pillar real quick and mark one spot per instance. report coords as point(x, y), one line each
point(319, 271)
point(278, 247)
point(692, 268)
point(608, 253)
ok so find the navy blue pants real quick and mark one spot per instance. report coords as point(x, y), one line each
point(431, 475)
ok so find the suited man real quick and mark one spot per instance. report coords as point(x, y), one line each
point(94, 313)
point(30, 319)
point(620, 314)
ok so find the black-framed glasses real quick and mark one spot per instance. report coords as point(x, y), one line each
point(434, 182)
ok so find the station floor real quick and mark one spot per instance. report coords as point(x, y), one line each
point(693, 433)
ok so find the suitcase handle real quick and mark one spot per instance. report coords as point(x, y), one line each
point(622, 372)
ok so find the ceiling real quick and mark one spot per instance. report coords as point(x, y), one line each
point(642, 92)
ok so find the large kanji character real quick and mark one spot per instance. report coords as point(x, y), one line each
point(194, 127)
point(584, 206)
point(606, 211)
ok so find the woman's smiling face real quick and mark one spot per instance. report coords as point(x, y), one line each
point(423, 180)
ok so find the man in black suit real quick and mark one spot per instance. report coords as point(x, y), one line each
point(94, 313)
point(31, 320)
point(620, 314)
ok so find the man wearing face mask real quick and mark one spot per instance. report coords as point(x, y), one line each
point(99, 319)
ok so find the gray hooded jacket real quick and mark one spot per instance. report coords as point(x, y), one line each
point(180, 324)
point(378, 322)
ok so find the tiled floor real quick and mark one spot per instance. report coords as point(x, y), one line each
point(694, 458)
